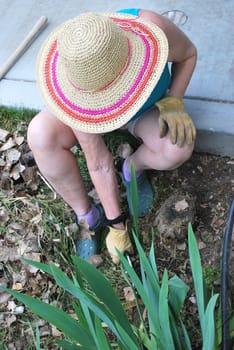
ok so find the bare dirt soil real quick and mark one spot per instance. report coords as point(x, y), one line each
point(209, 180)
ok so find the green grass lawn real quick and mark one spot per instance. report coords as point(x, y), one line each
point(12, 119)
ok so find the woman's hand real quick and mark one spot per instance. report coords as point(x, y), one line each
point(118, 239)
point(173, 117)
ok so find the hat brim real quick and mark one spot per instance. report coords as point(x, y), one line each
point(111, 107)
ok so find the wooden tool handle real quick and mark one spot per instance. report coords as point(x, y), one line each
point(30, 37)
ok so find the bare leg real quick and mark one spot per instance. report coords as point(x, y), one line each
point(58, 164)
point(102, 172)
point(50, 141)
point(156, 153)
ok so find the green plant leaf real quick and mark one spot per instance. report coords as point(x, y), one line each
point(164, 313)
point(38, 338)
point(96, 306)
point(196, 267)
point(155, 330)
point(83, 313)
point(68, 325)
point(177, 294)
point(231, 328)
point(145, 341)
point(90, 319)
point(186, 337)
point(151, 287)
point(152, 259)
point(177, 333)
point(135, 280)
point(104, 291)
point(102, 342)
point(151, 270)
point(134, 198)
point(40, 266)
point(78, 308)
point(209, 326)
point(69, 346)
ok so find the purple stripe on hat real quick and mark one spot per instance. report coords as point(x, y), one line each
point(116, 105)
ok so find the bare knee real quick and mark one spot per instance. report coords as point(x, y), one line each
point(45, 133)
point(38, 133)
point(178, 155)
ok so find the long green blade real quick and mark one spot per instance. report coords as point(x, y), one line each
point(68, 346)
point(102, 342)
point(152, 259)
point(176, 333)
point(68, 325)
point(152, 315)
point(41, 266)
point(209, 331)
point(96, 306)
point(195, 262)
point(104, 291)
point(186, 337)
point(164, 313)
point(134, 198)
point(152, 274)
point(78, 308)
point(177, 293)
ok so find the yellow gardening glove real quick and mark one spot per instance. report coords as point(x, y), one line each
point(118, 239)
point(173, 117)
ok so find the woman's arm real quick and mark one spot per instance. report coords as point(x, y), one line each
point(101, 169)
point(182, 52)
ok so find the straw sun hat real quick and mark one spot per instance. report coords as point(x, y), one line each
point(96, 71)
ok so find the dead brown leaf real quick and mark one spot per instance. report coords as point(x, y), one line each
point(84, 231)
point(18, 139)
point(9, 320)
point(128, 294)
point(181, 205)
point(8, 144)
point(93, 194)
point(17, 286)
point(11, 306)
point(3, 134)
point(4, 297)
point(9, 254)
point(12, 155)
point(124, 150)
point(4, 215)
point(96, 260)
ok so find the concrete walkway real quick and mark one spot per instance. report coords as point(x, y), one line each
point(210, 96)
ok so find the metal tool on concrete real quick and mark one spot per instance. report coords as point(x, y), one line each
point(27, 41)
